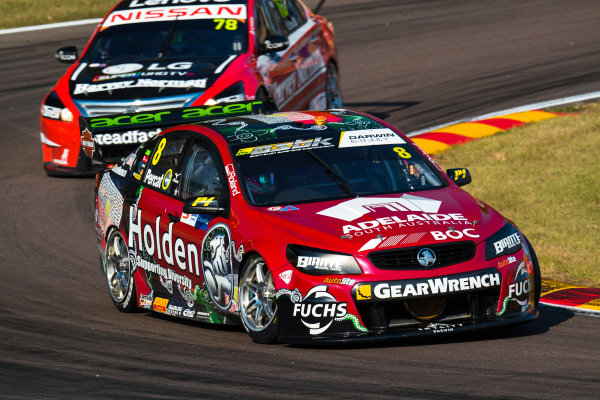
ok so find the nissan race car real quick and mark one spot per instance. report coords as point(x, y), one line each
point(148, 55)
point(303, 226)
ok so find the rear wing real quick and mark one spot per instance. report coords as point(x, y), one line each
point(92, 128)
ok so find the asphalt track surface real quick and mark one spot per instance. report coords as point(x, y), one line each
point(415, 63)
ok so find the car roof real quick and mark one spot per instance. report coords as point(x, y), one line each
point(267, 128)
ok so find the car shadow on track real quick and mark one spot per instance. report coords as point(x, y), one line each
point(549, 317)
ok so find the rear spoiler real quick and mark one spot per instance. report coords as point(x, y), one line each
point(161, 119)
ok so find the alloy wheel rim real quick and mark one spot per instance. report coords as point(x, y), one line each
point(118, 270)
point(257, 296)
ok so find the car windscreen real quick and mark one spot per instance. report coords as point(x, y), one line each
point(319, 173)
point(169, 40)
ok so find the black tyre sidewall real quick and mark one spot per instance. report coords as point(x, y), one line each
point(331, 67)
point(270, 333)
point(536, 272)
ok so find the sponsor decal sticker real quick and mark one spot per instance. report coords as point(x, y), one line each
point(454, 234)
point(154, 180)
point(519, 291)
point(353, 209)
point(286, 276)
point(64, 158)
point(173, 250)
point(129, 137)
point(188, 313)
point(148, 83)
point(234, 185)
point(160, 304)
point(369, 137)
point(419, 211)
point(331, 264)
point(413, 288)
point(132, 70)
point(217, 266)
point(163, 116)
point(117, 169)
point(87, 142)
point(146, 301)
point(507, 243)
point(300, 144)
point(167, 177)
point(437, 327)
point(280, 208)
point(109, 204)
point(122, 68)
point(507, 261)
point(199, 221)
point(339, 281)
point(209, 11)
point(318, 309)
point(167, 276)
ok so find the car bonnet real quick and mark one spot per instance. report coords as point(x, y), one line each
point(364, 224)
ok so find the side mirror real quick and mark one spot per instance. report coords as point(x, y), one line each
point(274, 43)
point(460, 176)
point(203, 205)
point(67, 55)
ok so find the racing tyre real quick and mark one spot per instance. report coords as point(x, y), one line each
point(119, 274)
point(261, 94)
point(537, 273)
point(258, 308)
point(333, 92)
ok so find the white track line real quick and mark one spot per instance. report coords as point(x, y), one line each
point(529, 107)
point(50, 26)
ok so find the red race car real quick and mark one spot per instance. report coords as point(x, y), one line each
point(303, 226)
point(148, 55)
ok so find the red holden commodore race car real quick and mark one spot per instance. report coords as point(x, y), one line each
point(312, 226)
point(148, 55)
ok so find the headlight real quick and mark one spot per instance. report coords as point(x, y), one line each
point(54, 108)
point(233, 93)
point(321, 262)
point(66, 115)
point(506, 241)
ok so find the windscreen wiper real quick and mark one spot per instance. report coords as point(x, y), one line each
point(165, 46)
point(340, 180)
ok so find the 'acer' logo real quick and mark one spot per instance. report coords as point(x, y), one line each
point(164, 116)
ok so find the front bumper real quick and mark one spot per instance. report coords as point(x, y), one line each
point(84, 167)
point(425, 329)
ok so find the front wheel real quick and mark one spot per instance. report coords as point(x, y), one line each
point(119, 274)
point(333, 91)
point(537, 274)
point(258, 308)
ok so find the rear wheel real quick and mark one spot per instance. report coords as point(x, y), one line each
point(119, 274)
point(333, 91)
point(537, 278)
point(258, 308)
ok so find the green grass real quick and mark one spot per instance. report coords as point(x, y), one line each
point(15, 13)
point(546, 178)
